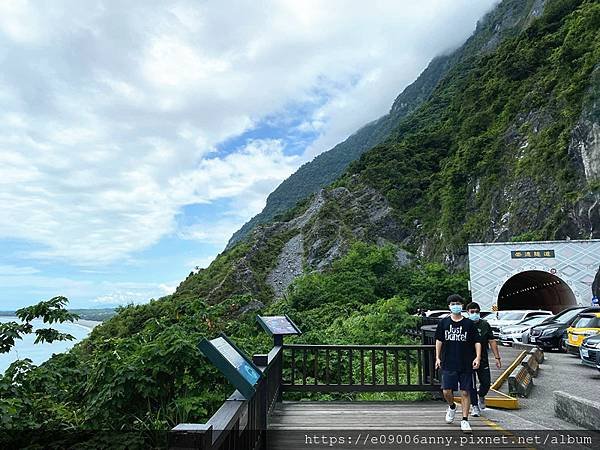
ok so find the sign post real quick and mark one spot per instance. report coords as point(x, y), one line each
point(278, 326)
point(239, 370)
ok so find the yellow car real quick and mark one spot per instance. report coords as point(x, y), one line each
point(587, 324)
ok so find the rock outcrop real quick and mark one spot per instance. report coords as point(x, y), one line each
point(289, 266)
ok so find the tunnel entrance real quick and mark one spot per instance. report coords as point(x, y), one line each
point(536, 289)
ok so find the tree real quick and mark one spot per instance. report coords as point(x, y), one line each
point(49, 311)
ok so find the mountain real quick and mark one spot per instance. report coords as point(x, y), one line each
point(507, 19)
point(505, 147)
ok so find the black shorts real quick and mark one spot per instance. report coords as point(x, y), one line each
point(452, 379)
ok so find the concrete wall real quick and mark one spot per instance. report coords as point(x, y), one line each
point(577, 410)
point(491, 265)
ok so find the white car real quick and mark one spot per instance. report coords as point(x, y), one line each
point(514, 333)
point(436, 312)
point(504, 318)
point(466, 314)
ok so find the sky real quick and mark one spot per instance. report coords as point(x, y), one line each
point(136, 137)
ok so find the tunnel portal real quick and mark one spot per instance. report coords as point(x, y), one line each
point(549, 275)
point(535, 289)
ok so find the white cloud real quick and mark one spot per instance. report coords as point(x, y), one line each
point(113, 114)
point(166, 288)
point(19, 21)
point(35, 285)
point(11, 270)
point(124, 293)
point(217, 232)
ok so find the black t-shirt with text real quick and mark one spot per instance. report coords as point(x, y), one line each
point(458, 343)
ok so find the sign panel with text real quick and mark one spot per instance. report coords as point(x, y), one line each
point(517, 254)
point(239, 370)
point(278, 325)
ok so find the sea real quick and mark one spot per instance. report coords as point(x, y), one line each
point(39, 353)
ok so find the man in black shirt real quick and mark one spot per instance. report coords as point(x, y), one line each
point(486, 336)
point(457, 353)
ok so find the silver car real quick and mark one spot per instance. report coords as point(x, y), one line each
point(504, 318)
point(514, 333)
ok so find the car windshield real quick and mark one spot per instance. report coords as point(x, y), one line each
point(510, 315)
point(483, 314)
point(533, 320)
point(586, 322)
point(566, 316)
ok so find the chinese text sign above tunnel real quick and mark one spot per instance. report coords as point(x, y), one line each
point(516, 254)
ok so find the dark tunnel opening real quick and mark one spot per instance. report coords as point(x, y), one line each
point(535, 289)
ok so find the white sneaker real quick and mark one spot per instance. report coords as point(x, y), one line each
point(450, 413)
point(475, 411)
point(481, 403)
point(465, 426)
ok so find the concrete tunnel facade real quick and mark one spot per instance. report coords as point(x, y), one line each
point(551, 275)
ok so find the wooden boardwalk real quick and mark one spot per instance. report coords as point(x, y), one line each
point(291, 423)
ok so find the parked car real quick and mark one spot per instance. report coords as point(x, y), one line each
point(511, 317)
point(482, 314)
point(586, 324)
point(525, 336)
point(549, 335)
point(589, 351)
point(436, 312)
point(563, 340)
point(514, 333)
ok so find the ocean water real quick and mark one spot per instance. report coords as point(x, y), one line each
point(39, 353)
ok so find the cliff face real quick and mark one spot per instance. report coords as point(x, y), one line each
point(508, 19)
point(500, 143)
point(274, 254)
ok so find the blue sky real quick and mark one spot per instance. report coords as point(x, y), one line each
point(136, 137)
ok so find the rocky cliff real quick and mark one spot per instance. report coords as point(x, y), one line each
point(500, 144)
point(508, 19)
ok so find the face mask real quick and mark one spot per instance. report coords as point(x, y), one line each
point(455, 309)
point(474, 316)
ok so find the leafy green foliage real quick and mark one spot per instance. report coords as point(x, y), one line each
point(364, 277)
point(50, 335)
point(142, 370)
point(49, 311)
point(507, 19)
point(10, 331)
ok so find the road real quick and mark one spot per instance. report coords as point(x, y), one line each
point(559, 372)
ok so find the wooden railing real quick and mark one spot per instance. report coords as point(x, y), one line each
point(241, 424)
point(359, 368)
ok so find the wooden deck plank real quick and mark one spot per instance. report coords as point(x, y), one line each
point(289, 421)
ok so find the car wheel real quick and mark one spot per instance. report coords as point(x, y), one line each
point(562, 347)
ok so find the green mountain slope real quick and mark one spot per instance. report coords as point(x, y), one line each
point(507, 145)
point(506, 20)
point(505, 148)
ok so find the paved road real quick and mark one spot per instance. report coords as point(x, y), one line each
point(559, 372)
